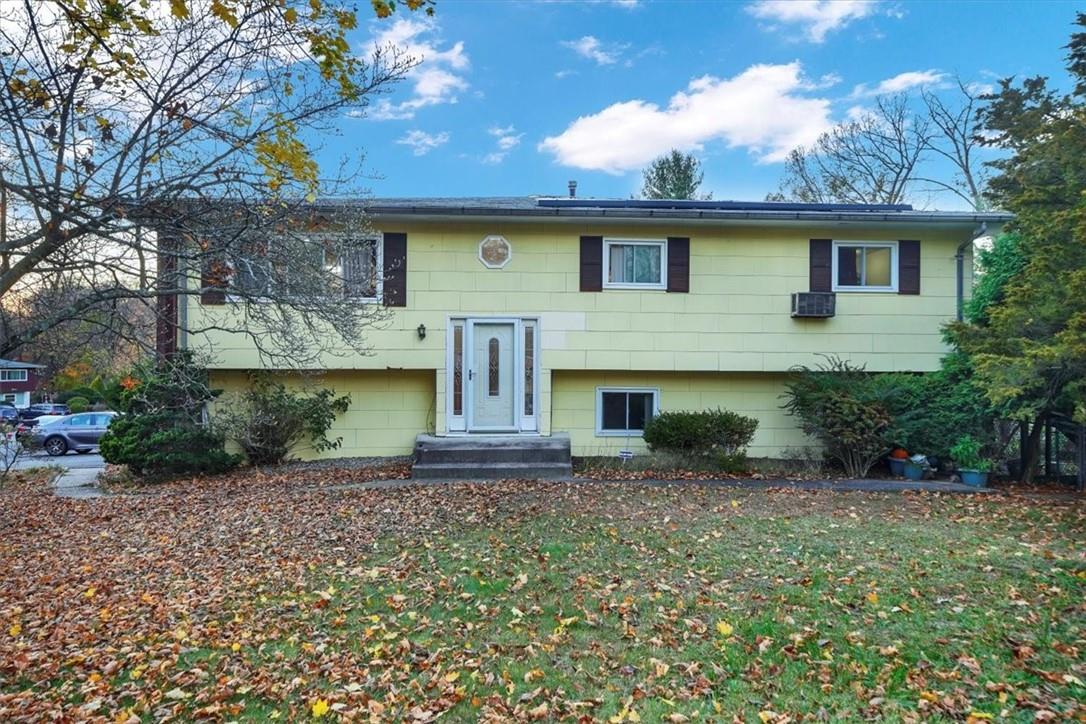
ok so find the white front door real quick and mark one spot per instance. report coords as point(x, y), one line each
point(492, 376)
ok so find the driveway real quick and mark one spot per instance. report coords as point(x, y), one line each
point(80, 472)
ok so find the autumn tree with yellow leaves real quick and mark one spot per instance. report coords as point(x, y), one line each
point(124, 123)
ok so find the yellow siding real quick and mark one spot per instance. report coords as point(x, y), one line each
point(727, 343)
point(754, 395)
point(735, 318)
point(388, 408)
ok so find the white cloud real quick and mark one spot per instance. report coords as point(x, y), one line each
point(816, 17)
point(761, 109)
point(506, 139)
point(564, 74)
point(438, 77)
point(422, 143)
point(590, 47)
point(902, 82)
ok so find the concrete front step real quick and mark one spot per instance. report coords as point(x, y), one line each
point(492, 456)
point(491, 471)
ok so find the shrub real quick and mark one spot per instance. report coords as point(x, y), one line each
point(268, 421)
point(161, 432)
point(838, 405)
point(85, 392)
point(78, 404)
point(719, 435)
point(930, 411)
point(160, 445)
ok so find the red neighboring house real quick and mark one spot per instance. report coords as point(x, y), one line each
point(18, 380)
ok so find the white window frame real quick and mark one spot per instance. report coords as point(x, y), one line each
point(377, 238)
point(850, 244)
point(608, 243)
point(6, 376)
point(600, 391)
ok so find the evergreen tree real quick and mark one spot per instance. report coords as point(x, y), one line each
point(675, 175)
point(1029, 349)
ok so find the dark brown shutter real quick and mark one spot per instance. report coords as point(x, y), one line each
point(395, 285)
point(821, 260)
point(591, 263)
point(908, 267)
point(214, 278)
point(678, 264)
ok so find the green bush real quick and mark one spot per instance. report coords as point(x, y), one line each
point(721, 436)
point(88, 394)
point(162, 432)
point(840, 406)
point(78, 404)
point(268, 421)
point(159, 445)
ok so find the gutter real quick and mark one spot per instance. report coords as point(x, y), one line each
point(698, 214)
point(959, 259)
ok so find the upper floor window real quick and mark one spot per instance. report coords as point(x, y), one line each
point(352, 266)
point(634, 264)
point(356, 267)
point(12, 375)
point(866, 266)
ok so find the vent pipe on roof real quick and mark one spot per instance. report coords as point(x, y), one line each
point(573, 189)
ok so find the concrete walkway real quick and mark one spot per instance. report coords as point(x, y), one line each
point(78, 475)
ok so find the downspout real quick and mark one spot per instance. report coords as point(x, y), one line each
point(959, 258)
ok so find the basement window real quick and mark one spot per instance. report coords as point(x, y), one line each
point(625, 411)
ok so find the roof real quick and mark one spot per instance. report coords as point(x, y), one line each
point(14, 364)
point(552, 207)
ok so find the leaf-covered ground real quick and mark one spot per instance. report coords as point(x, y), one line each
point(268, 597)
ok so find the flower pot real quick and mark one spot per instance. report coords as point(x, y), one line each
point(913, 471)
point(976, 478)
point(897, 466)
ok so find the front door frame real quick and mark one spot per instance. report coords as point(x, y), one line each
point(522, 424)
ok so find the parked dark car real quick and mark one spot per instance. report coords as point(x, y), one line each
point(43, 408)
point(79, 432)
point(9, 415)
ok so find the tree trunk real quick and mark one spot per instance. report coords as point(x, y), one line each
point(1031, 453)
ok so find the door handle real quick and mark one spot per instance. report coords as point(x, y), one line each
point(471, 374)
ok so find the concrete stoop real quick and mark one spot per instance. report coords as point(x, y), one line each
point(492, 457)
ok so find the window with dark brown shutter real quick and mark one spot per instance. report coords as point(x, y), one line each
point(591, 263)
point(214, 277)
point(678, 264)
point(395, 269)
point(821, 262)
point(908, 269)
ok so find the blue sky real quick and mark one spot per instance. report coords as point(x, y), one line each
point(517, 96)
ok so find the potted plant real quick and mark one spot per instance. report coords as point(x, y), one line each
point(973, 466)
point(896, 461)
point(916, 467)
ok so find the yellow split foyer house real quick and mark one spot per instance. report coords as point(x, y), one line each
point(544, 317)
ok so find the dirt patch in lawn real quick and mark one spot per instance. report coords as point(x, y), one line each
point(259, 596)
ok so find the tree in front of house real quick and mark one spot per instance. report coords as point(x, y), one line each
point(1029, 347)
point(675, 175)
point(158, 149)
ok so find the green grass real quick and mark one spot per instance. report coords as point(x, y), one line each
point(616, 603)
point(851, 617)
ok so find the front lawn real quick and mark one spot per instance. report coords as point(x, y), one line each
point(271, 598)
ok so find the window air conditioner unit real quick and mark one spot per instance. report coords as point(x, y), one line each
point(814, 304)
